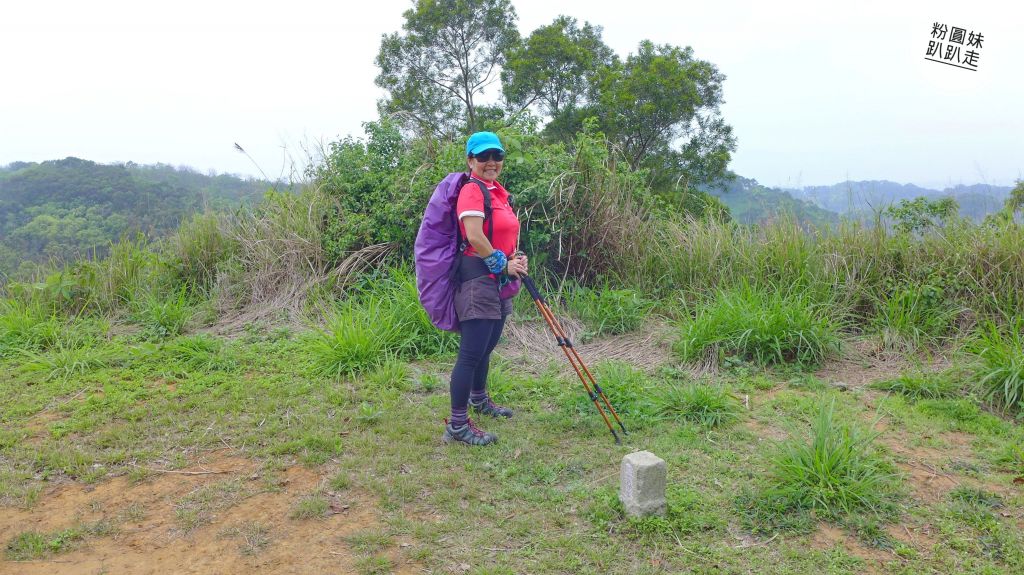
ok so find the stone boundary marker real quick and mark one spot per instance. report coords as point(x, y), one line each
point(642, 484)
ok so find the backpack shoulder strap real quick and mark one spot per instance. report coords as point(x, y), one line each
point(487, 207)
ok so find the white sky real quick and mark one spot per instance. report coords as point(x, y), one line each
point(817, 93)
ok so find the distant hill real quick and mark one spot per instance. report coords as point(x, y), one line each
point(63, 209)
point(752, 203)
point(860, 198)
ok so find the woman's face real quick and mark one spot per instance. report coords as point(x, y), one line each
point(485, 165)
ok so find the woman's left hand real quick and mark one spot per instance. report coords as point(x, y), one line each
point(516, 267)
point(522, 264)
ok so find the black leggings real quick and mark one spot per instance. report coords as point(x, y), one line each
point(479, 336)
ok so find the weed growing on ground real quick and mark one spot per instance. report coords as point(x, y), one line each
point(196, 508)
point(30, 545)
point(913, 316)
point(202, 353)
point(391, 374)
point(607, 311)
point(975, 496)
point(67, 358)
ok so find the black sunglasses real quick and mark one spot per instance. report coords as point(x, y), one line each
point(488, 155)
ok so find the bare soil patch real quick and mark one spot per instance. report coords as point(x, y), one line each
point(828, 537)
point(252, 533)
point(865, 361)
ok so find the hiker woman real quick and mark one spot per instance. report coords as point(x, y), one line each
point(486, 265)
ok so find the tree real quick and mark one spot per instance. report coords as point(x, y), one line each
point(555, 68)
point(450, 53)
point(920, 214)
point(659, 98)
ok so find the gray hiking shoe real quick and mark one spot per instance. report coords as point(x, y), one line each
point(488, 407)
point(469, 434)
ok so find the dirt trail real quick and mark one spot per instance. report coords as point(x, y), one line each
point(244, 529)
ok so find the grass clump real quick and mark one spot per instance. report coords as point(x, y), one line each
point(27, 326)
point(920, 385)
point(1000, 362)
point(30, 545)
point(382, 321)
point(705, 405)
point(201, 352)
point(67, 358)
point(163, 316)
point(314, 506)
point(837, 472)
point(976, 497)
point(765, 327)
point(608, 311)
point(913, 316)
point(628, 389)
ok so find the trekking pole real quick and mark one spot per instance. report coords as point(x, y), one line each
point(566, 344)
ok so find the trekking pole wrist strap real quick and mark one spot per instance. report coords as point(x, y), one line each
point(496, 262)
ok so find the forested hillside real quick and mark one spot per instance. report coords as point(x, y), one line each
point(852, 198)
point(64, 209)
point(751, 203)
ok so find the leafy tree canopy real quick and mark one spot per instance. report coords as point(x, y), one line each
point(450, 53)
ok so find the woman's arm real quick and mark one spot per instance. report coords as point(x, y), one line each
point(475, 235)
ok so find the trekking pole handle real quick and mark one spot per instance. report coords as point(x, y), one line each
point(531, 287)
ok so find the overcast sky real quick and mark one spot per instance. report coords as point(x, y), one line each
point(816, 93)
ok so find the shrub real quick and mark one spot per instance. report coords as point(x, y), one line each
point(760, 326)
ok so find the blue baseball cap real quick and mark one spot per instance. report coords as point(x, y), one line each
point(481, 141)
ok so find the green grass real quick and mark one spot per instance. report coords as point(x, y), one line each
point(914, 316)
point(705, 405)
point(29, 545)
point(163, 316)
point(544, 497)
point(766, 327)
point(920, 385)
point(836, 471)
point(381, 322)
point(313, 506)
point(607, 311)
point(999, 353)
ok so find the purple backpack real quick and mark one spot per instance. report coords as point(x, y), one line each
point(436, 252)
